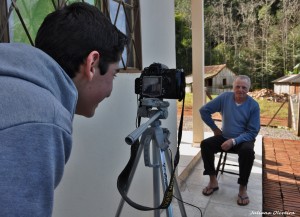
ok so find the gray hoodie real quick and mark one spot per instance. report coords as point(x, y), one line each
point(37, 105)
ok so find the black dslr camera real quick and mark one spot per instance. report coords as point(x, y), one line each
point(157, 81)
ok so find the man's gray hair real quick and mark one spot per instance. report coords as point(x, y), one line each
point(243, 77)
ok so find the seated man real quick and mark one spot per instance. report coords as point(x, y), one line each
point(240, 125)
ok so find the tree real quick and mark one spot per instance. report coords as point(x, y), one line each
point(259, 38)
point(183, 36)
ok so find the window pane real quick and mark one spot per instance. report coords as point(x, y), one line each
point(26, 17)
point(118, 18)
point(32, 13)
point(125, 15)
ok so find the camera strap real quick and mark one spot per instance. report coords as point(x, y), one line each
point(123, 179)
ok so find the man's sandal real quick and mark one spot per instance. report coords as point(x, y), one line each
point(242, 200)
point(210, 190)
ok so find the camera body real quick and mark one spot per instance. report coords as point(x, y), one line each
point(157, 81)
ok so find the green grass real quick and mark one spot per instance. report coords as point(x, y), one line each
point(269, 109)
point(188, 102)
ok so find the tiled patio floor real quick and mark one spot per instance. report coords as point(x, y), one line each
point(279, 183)
point(223, 202)
point(281, 177)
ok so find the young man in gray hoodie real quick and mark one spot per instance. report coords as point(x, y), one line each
point(71, 70)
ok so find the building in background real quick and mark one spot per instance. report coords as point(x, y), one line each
point(289, 84)
point(218, 79)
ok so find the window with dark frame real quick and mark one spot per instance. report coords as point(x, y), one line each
point(4, 34)
point(20, 20)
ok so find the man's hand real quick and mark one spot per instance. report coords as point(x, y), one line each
point(228, 144)
point(217, 132)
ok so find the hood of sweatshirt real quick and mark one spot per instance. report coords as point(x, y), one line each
point(31, 64)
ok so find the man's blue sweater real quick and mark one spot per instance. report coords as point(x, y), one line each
point(37, 105)
point(240, 122)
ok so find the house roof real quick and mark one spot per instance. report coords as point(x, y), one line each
point(211, 71)
point(288, 79)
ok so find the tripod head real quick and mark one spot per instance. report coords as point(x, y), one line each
point(146, 110)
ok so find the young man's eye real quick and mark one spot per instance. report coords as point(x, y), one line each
point(116, 72)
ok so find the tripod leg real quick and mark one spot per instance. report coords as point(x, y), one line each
point(122, 201)
point(177, 191)
point(156, 185)
point(164, 178)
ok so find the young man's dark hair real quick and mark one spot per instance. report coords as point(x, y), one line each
point(69, 35)
point(71, 70)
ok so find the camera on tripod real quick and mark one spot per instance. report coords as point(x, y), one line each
point(157, 81)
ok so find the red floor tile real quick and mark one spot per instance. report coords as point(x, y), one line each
point(281, 176)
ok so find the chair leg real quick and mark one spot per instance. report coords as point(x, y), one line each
point(224, 162)
point(219, 164)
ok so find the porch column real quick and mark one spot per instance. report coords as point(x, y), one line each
point(198, 67)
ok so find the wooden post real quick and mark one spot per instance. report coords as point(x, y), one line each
point(198, 67)
point(298, 116)
point(289, 112)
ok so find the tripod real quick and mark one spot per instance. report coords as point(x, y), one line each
point(160, 155)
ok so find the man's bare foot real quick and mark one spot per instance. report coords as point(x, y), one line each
point(209, 190)
point(243, 198)
point(211, 187)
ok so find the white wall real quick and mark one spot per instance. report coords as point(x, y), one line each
point(99, 152)
point(281, 88)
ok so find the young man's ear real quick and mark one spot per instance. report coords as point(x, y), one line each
point(91, 63)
